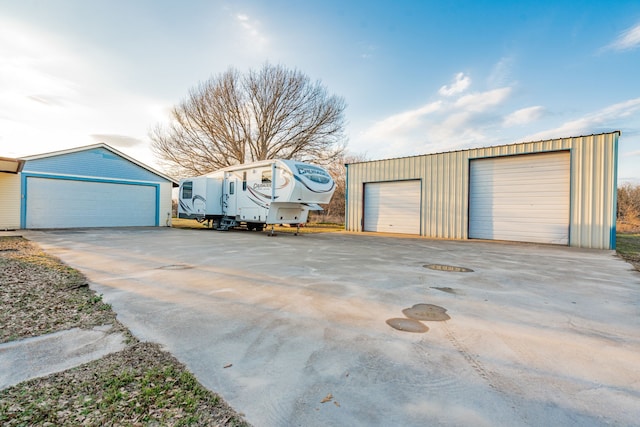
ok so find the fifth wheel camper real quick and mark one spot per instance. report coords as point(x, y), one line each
point(256, 194)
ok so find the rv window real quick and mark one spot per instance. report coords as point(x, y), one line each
point(187, 190)
point(244, 181)
point(266, 177)
point(232, 187)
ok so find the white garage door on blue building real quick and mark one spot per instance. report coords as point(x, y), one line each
point(94, 186)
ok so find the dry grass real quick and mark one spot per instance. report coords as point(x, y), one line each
point(141, 385)
point(628, 226)
point(40, 295)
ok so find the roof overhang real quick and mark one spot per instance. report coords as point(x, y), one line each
point(9, 165)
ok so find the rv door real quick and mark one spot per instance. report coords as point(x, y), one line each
point(230, 195)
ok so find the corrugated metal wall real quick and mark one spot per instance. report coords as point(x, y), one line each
point(98, 162)
point(9, 201)
point(445, 189)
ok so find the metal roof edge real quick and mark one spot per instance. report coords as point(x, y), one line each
point(486, 146)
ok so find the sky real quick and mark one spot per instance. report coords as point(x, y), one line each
point(418, 77)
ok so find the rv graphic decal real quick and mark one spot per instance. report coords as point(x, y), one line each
point(266, 187)
point(313, 173)
point(259, 194)
point(330, 189)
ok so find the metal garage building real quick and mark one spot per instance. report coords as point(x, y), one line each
point(93, 186)
point(560, 191)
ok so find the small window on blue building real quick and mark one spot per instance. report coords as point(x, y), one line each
point(232, 187)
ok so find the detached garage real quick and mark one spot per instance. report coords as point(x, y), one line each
point(93, 186)
point(560, 191)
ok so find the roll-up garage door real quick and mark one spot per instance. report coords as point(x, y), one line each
point(392, 207)
point(521, 198)
point(61, 203)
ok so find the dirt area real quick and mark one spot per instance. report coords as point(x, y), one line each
point(141, 385)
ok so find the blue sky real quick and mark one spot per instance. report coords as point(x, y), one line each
point(418, 76)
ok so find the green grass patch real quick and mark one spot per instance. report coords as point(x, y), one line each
point(628, 247)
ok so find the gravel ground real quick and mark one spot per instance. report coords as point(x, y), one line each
point(141, 385)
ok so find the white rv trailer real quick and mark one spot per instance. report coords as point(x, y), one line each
point(255, 194)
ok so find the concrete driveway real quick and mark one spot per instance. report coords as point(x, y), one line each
point(538, 335)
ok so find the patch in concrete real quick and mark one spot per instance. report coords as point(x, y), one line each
point(445, 289)
point(176, 267)
point(407, 325)
point(451, 268)
point(40, 356)
point(427, 312)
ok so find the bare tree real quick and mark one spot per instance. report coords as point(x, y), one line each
point(334, 211)
point(232, 118)
point(629, 203)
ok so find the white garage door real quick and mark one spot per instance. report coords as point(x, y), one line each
point(392, 207)
point(520, 198)
point(58, 203)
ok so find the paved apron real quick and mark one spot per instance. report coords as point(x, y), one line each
point(292, 330)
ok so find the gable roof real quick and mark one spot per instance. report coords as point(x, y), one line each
point(103, 146)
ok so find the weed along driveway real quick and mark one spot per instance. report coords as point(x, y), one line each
point(293, 330)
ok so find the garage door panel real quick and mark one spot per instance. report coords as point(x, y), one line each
point(57, 203)
point(520, 198)
point(392, 207)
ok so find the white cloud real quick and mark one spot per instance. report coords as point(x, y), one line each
point(367, 50)
point(501, 73)
point(603, 120)
point(438, 126)
point(251, 28)
point(56, 95)
point(482, 101)
point(459, 85)
point(524, 116)
point(117, 140)
point(402, 122)
point(627, 40)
